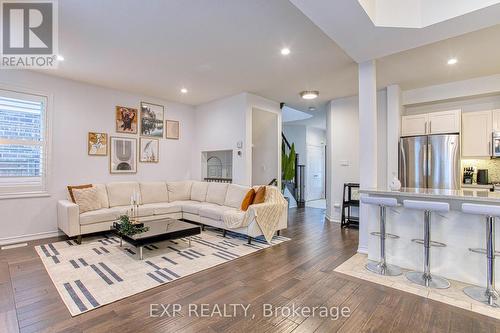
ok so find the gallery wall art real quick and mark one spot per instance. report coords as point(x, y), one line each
point(126, 120)
point(97, 144)
point(152, 119)
point(172, 127)
point(123, 155)
point(149, 150)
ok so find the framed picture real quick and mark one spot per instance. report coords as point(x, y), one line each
point(123, 155)
point(126, 120)
point(97, 144)
point(149, 150)
point(152, 116)
point(172, 129)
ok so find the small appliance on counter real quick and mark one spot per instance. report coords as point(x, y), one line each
point(468, 175)
point(482, 176)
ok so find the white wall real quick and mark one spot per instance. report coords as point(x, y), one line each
point(264, 147)
point(297, 134)
point(79, 108)
point(221, 124)
point(343, 148)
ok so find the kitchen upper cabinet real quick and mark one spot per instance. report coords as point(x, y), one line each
point(496, 120)
point(476, 134)
point(444, 122)
point(414, 125)
point(431, 123)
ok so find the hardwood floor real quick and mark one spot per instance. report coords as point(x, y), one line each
point(299, 272)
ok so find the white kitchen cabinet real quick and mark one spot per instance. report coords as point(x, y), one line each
point(476, 134)
point(444, 122)
point(414, 125)
point(431, 123)
point(496, 120)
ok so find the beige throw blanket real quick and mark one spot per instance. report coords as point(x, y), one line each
point(267, 214)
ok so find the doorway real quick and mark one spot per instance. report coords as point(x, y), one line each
point(315, 173)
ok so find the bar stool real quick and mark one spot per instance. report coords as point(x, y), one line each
point(425, 278)
point(486, 295)
point(382, 267)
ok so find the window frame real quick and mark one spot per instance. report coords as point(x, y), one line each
point(42, 190)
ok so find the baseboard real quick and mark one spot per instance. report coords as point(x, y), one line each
point(30, 237)
point(330, 219)
point(363, 249)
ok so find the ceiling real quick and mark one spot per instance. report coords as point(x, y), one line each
point(346, 22)
point(219, 48)
point(213, 48)
point(478, 54)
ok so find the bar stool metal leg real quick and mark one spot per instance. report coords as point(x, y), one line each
point(487, 295)
point(382, 267)
point(425, 278)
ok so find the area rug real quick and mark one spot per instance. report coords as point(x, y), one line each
point(99, 271)
point(355, 266)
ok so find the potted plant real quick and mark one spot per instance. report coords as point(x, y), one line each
point(287, 168)
point(126, 227)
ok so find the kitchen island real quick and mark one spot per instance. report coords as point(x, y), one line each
point(457, 230)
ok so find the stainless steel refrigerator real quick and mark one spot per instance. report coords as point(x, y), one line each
point(430, 161)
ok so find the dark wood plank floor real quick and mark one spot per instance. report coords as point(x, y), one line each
point(298, 272)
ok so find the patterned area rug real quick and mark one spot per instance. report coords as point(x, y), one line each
point(100, 272)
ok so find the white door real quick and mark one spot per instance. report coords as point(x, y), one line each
point(315, 170)
point(444, 122)
point(414, 125)
point(476, 134)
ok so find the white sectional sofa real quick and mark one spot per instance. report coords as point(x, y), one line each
point(202, 202)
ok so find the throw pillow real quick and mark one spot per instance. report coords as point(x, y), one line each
point(71, 188)
point(260, 195)
point(248, 199)
point(87, 199)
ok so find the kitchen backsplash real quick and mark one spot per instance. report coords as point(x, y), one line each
point(493, 166)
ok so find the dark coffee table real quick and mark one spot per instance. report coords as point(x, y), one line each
point(159, 231)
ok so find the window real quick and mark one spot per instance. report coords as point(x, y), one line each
point(23, 144)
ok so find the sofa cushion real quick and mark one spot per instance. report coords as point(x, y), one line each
point(235, 195)
point(178, 191)
point(100, 215)
point(143, 211)
point(215, 212)
point(103, 195)
point(260, 196)
point(247, 200)
point(76, 187)
point(119, 193)
point(193, 207)
point(199, 191)
point(153, 192)
point(87, 199)
point(217, 193)
point(163, 208)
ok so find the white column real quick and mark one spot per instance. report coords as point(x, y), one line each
point(393, 130)
point(330, 209)
point(368, 144)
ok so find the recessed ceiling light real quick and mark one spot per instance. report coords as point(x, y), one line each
point(60, 58)
point(285, 51)
point(309, 94)
point(312, 108)
point(452, 61)
point(184, 91)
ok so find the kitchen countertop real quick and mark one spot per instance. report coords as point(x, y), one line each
point(463, 194)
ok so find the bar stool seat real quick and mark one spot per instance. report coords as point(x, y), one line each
point(381, 267)
point(488, 295)
point(425, 278)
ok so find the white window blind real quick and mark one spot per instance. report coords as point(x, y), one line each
point(23, 144)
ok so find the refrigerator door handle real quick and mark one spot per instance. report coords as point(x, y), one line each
point(429, 162)
point(424, 162)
